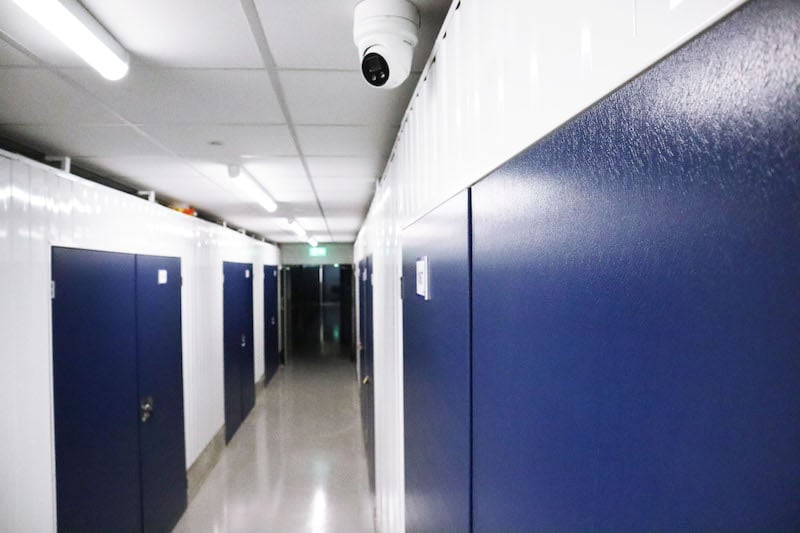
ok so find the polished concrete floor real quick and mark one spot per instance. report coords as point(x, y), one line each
point(297, 463)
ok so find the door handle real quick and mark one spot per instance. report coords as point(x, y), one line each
point(365, 380)
point(146, 408)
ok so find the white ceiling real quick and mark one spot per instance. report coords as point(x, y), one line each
point(310, 131)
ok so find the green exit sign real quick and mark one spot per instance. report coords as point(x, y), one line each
point(317, 251)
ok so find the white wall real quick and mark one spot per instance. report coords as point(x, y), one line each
point(41, 207)
point(297, 254)
point(507, 73)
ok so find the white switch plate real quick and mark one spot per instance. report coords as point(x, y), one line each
point(162, 277)
point(423, 282)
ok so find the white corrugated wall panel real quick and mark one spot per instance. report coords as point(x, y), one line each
point(41, 207)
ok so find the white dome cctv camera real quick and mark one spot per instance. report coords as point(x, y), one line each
point(385, 32)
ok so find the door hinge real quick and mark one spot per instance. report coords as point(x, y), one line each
point(52, 290)
point(401, 287)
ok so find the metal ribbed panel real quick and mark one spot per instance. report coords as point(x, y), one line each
point(508, 73)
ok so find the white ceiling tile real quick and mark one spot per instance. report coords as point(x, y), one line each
point(181, 33)
point(345, 224)
point(343, 237)
point(170, 177)
point(11, 57)
point(281, 167)
point(37, 96)
point(356, 199)
point(289, 189)
point(187, 96)
point(331, 25)
point(255, 222)
point(237, 140)
point(312, 225)
point(84, 140)
point(344, 184)
point(326, 29)
point(345, 167)
point(346, 140)
point(342, 98)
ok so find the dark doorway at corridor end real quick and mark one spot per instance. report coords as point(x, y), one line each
point(319, 310)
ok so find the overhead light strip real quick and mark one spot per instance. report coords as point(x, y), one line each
point(73, 25)
point(249, 186)
point(295, 226)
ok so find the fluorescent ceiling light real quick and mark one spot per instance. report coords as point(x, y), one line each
point(248, 185)
point(69, 21)
point(297, 228)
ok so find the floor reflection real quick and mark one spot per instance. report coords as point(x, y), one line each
point(297, 463)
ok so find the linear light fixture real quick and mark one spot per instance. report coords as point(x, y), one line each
point(69, 21)
point(297, 228)
point(249, 186)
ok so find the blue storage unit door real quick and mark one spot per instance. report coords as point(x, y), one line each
point(366, 363)
point(436, 368)
point(118, 391)
point(95, 396)
point(161, 434)
point(238, 344)
point(636, 301)
point(362, 334)
point(271, 355)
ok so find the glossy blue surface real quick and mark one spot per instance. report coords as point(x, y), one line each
point(637, 301)
point(436, 370)
point(160, 371)
point(271, 355)
point(94, 391)
point(366, 363)
point(238, 344)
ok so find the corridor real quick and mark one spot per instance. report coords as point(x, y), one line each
point(297, 463)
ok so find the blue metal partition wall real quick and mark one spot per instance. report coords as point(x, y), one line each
point(238, 344)
point(271, 355)
point(161, 436)
point(118, 391)
point(436, 369)
point(636, 301)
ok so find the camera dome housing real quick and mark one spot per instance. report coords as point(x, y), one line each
point(385, 32)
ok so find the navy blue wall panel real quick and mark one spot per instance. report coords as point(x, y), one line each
point(271, 355)
point(636, 301)
point(160, 370)
point(94, 391)
point(367, 392)
point(238, 344)
point(436, 370)
point(362, 334)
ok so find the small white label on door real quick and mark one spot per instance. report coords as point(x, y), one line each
point(247, 273)
point(162, 277)
point(423, 289)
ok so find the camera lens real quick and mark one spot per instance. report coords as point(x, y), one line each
point(375, 69)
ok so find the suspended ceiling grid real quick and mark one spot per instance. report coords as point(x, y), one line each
point(271, 85)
